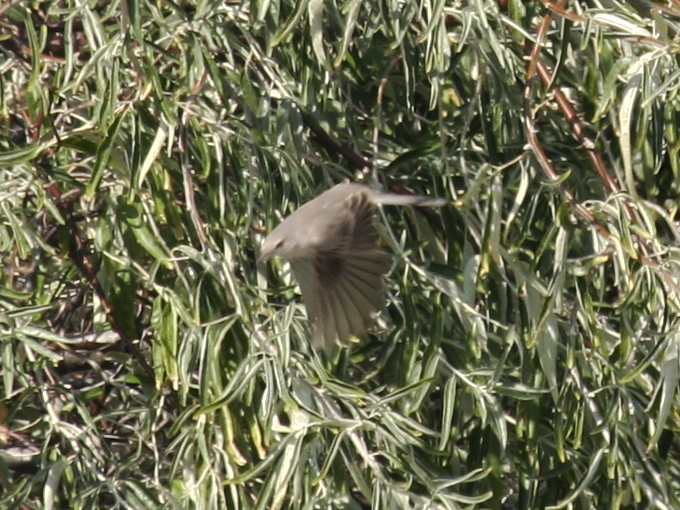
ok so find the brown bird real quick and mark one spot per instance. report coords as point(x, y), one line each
point(331, 245)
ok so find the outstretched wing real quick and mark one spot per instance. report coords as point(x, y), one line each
point(342, 284)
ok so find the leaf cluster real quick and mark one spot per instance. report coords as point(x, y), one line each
point(528, 354)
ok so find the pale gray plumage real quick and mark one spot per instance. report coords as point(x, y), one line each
point(331, 245)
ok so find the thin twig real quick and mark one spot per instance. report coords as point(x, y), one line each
point(83, 262)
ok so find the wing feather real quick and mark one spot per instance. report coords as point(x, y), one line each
point(342, 283)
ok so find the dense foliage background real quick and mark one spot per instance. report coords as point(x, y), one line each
point(529, 353)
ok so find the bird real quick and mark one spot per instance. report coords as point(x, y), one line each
point(332, 247)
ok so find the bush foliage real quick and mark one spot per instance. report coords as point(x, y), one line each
point(528, 353)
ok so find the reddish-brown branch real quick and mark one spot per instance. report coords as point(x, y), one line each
point(530, 126)
point(579, 130)
point(537, 66)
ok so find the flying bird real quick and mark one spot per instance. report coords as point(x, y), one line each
point(331, 245)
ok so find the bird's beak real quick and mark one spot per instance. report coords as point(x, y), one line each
point(264, 256)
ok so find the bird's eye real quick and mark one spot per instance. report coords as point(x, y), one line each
point(279, 244)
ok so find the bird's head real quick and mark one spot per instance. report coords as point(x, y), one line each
point(283, 242)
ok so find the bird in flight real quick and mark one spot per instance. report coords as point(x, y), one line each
point(331, 245)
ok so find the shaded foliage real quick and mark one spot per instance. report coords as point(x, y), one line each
point(528, 354)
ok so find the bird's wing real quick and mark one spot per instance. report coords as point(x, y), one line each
point(342, 284)
point(304, 273)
